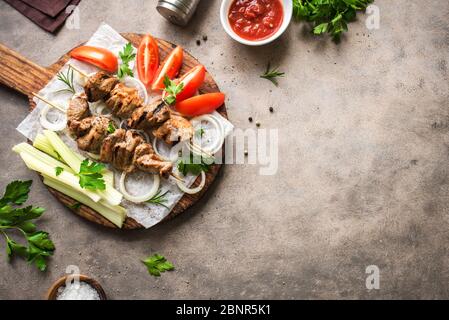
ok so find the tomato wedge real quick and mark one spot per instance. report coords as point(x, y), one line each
point(99, 57)
point(169, 67)
point(147, 60)
point(192, 80)
point(197, 105)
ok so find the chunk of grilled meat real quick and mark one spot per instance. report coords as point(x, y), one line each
point(118, 149)
point(149, 116)
point(77, 111)
point(147, 160)
point(123, 101)
point(174, 130)
point(99, 86)
point(98, 131)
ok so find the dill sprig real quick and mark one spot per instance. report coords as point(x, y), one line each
point(272, 74)
point(159, 199)
point(67, 79)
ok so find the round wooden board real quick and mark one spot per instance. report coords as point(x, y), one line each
point(26, 77)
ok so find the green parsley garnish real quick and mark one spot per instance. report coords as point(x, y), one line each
point(90, 175)
point(157, 264)
point(126, 55)
point(194, 164)
point(111, 127)
point(172, 89)
point(58, 170)
point(39, 246)
point(331, 16)
point(272, 74)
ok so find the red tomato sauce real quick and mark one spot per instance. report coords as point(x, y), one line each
point(256, 19)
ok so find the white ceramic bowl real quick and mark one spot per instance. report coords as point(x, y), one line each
point(224, 11)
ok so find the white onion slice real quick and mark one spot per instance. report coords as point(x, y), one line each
point(59, 125)
point(136, 83)
point(218, 143)
point(187, 190)
point(140, 198)
point(144, 134)
point(174, 151)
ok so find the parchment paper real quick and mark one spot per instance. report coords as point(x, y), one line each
point(146, 214)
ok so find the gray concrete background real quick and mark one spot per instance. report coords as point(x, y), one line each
point(363, 175)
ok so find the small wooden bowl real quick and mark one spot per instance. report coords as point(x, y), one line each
point(53, 291)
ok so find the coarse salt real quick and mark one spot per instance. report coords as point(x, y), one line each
point(77, 291)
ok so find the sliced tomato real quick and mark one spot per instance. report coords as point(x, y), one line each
point(202, 104)
point(192, 81)
point(170, 67)
point(99, 57)
point(147, 60)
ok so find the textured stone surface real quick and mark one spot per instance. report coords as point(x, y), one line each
point(363, 176)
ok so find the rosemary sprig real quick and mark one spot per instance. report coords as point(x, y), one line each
point(159, 199)
point(67, 79)
point(272, 74)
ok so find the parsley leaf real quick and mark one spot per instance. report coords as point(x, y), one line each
point(90, 176)
point(331, 16)
point(194, 164)
point(39, 246)
point(126, 55)
point(157, 264)
point(16, 192)
point(171, 89)
point(58, 170)
point(111, 127)
point(272, 74)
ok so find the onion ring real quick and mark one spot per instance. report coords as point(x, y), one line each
point(187, 190)
point(216, 123)
point(143, 197)
point(53, 126)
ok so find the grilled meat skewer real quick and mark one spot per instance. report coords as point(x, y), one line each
point(125, 103)
point(124, 149)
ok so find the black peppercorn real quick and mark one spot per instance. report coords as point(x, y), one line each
point(271, 109)
point(250, 119)
point(198, 42)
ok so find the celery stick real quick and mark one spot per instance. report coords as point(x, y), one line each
point(41, 142)
point(39, 155)
point(65, 176)
point(64, 151)
point(114, 217)
point(108, 177)
point(111, 195)
point(118, 209)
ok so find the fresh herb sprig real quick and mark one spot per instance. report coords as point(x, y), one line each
point(272, 74)
point(331, 16)
point(200, 132)
point(171, 89)
point(159, 199)
point(90, 176)
point(58, 170)
point(157, 264)
point(194, 164)
point(126, 55)
point(67, 79)
point(111, 128)
point(39, 246)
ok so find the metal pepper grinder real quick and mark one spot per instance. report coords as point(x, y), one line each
point(177, 11)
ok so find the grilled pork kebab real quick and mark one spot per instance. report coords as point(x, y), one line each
point(125, 103)
point(125, 150)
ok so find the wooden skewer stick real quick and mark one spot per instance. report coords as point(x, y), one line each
point(200, 150)
point(78, 70)
point(49, 102)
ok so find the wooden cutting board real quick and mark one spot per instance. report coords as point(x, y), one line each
point(24, 76)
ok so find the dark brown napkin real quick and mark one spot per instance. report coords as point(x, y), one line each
point(46, 22)
point(50, 7)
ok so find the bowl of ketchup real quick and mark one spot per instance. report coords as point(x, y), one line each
point(255, 22)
